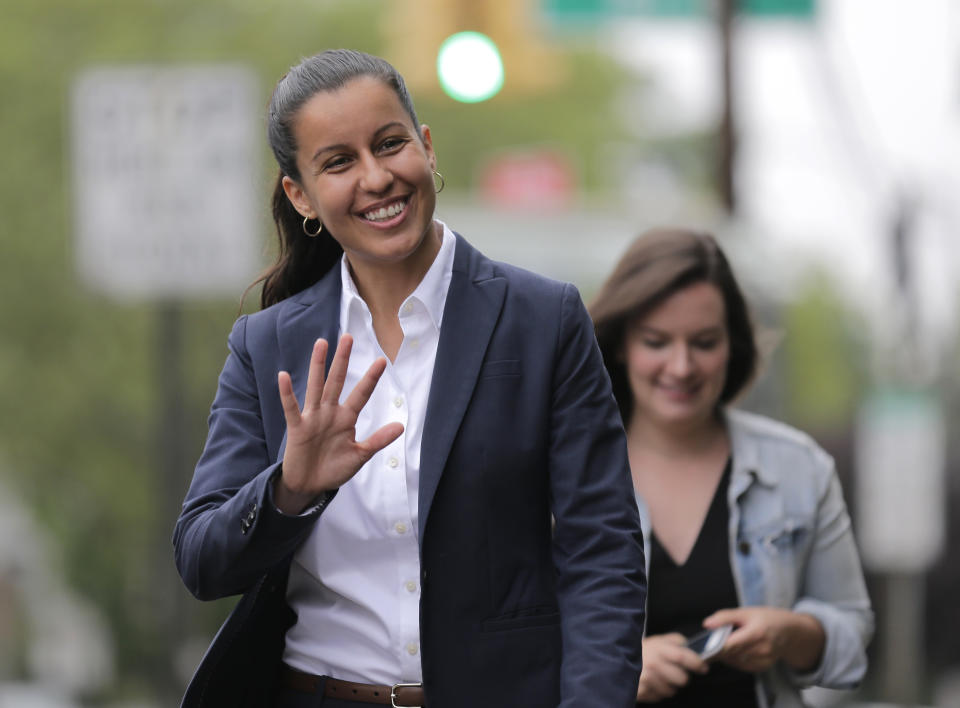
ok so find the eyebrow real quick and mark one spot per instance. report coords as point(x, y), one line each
point(713, 329)
point(343, 146)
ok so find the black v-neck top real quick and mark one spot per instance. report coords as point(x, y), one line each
point(680, 597)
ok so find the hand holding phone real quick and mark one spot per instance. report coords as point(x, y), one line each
point(709, 642)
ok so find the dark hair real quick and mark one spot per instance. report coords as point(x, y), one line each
point(656, 265)
point(302, 261)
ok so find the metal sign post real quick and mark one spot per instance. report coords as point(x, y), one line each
point(901, 514)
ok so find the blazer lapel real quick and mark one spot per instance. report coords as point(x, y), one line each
point(309, 315)
point(473, 306)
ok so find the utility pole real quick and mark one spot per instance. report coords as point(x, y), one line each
point(726, 137)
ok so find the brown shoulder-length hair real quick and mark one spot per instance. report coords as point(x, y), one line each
point(657, 264)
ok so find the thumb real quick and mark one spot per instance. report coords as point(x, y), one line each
point(722, 617)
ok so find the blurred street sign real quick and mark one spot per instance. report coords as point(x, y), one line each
point(539, 179)
point(165, 170)
point(901, 463)
point(575, 11)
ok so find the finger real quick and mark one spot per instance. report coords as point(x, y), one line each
point(655, 688)
point(381, 438)
point(364, 389)
point(291, 411)
point(674, 638)
point(652, 690)
point(722, 617)
point(738, 641)
point(338, 370)
point(674, 675)
point(647, 692)
point(315, 375)
point(691, 661)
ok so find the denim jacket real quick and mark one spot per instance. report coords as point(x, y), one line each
point(791, 546)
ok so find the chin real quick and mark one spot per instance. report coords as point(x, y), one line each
point(684, 415)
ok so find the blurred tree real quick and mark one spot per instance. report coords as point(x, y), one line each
point(824, 357)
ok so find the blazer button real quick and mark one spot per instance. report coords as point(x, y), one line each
point(744, 547)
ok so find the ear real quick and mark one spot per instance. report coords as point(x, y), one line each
point(298, 198)
point(428, 145)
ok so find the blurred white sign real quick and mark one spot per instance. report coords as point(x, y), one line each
point(901, 462)
point(165, 174)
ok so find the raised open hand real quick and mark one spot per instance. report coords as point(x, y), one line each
point(322, 452)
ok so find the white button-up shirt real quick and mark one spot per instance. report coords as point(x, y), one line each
point(355, 581)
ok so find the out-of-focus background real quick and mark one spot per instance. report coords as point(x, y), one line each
point(819, 139)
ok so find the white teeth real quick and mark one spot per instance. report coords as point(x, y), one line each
point(386, 212)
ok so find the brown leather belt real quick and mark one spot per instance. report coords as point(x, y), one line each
point(401, 695)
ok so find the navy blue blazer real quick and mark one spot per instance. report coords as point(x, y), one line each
point(532, 568)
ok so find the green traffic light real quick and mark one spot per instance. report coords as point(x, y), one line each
point(469, 67)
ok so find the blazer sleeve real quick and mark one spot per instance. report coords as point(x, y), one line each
point(230, 533)
point(597, 545)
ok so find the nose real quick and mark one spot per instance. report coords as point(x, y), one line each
point(681, 362)
point(376, 178)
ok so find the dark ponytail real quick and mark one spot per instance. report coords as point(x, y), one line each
point(303, 260)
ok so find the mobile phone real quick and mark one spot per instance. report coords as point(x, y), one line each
point(710, 641)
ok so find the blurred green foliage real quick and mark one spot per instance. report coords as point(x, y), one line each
point(78, 373)
point(825, 357)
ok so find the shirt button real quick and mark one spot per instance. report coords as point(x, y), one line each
point(411, 586)
point(398, 401)
point(412, 648)
point(393, 462)
point(408, 308)
point(744, 547)
point(400, 527)
point(414, 342)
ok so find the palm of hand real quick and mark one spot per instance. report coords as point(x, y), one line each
point(322, 452)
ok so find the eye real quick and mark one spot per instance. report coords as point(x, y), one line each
point(707, 344)
point(392, 144)
point(653, 342)
point(335, 163)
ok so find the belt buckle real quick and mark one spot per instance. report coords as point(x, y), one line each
point(393, 693)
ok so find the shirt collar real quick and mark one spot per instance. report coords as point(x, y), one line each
point(746, 455)
point(431, 291)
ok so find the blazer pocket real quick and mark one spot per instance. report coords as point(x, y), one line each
point(501, 368)
point(523, 619)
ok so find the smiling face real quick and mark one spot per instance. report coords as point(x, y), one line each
point(367, 175)
point(676, 357)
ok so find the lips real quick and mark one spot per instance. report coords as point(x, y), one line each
point(385, 212)
point(680, 393)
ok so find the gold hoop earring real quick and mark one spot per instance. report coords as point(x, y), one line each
point(443, 182)
point(312, 234)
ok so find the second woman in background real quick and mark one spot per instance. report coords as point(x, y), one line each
point(743, 517)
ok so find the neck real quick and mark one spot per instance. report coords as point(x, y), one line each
point(384, 286)
point(675, 441)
